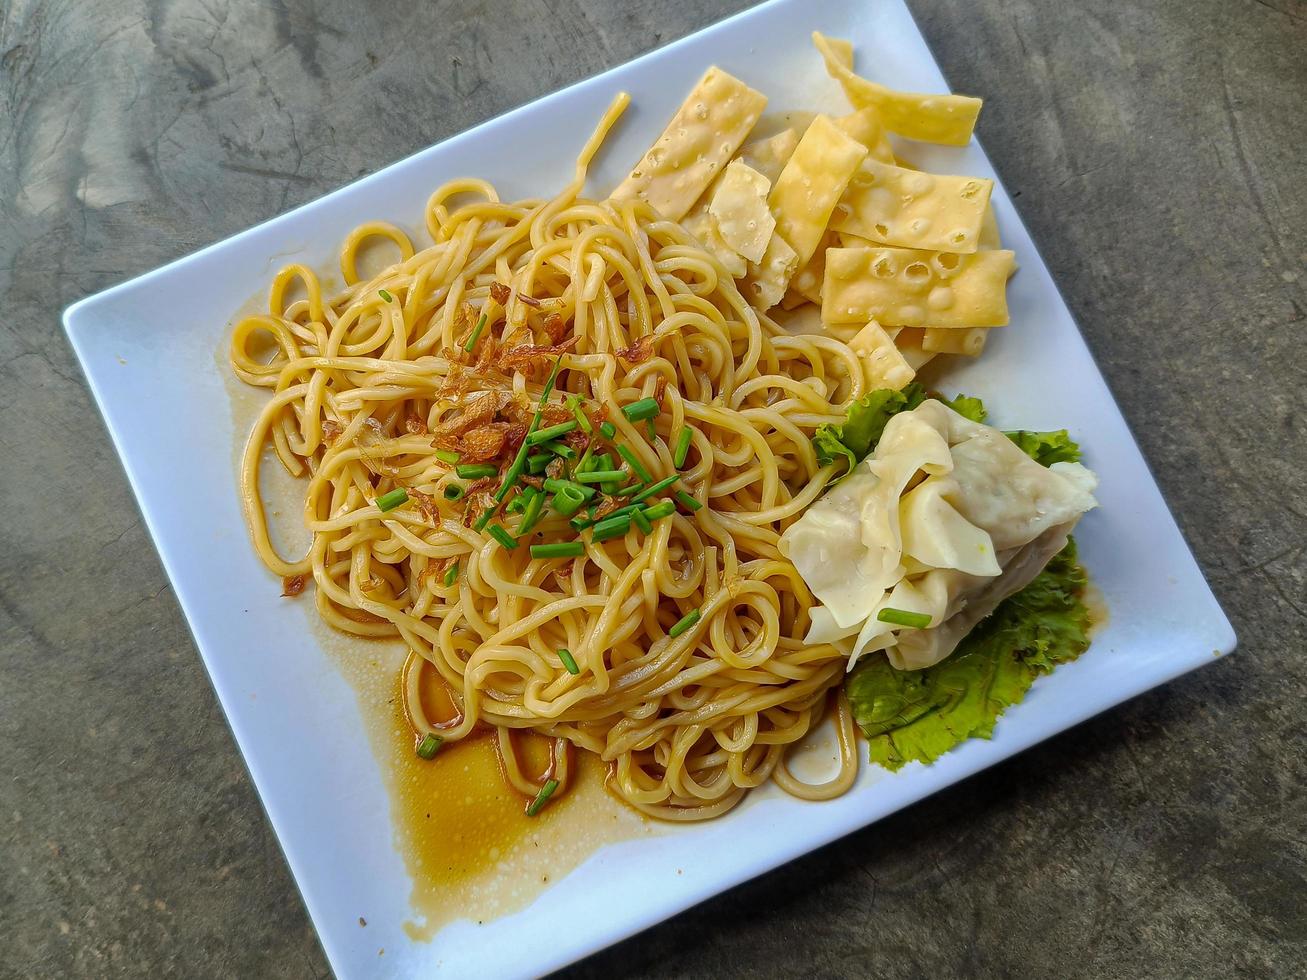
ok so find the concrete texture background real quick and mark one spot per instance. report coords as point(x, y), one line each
point(1156, 149)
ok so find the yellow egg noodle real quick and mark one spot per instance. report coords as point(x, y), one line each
point(555, 450)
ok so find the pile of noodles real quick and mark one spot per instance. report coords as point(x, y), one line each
point(370, 384)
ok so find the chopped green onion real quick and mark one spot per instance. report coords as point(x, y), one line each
point(558, 549)
point(664, 508)
point(476, 334)
point(568, 500)
point(581, 419)
point(565, 655)
point(542, 798)
point(516, 505)
point(475, 471)
point(682, 449)
point(645, 408)
point(580, 523)
point(549, 382)
point(385, 295)
point(684, 624)
point(389, 501)
point(447, 456)
point(484, 519)
point(429, 746)
point(553, 432)
point(901, 617)
point(655, 488)
point(451, 574)
point(454, 491)
point(628, 509)
point(560, 449)
point(628, 454)
point(502, 536)
point(687, 501)
point(604, 461)
point(553, 485)
point(612, 527)
point(627, 490)
point(534, 505)
point(514, 471)
point(641, 521)
point(587, 461)
point(608, 430)
point(535, 465)
point(599, 476)
point(652, 429)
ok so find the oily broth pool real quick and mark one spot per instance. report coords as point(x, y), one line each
point(470, 850)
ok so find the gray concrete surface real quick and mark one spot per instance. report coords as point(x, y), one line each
point(1157, 151)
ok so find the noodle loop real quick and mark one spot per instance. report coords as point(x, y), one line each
point(365, 385)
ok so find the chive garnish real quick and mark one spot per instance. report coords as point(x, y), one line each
point(476, 334)
point(568, 500)
point(684, 624)
point(553, 432)
point(558, 549)
point(581, 420)
point(641, 521)
point(454, 491)
point(560, 449)
point(429, 746)
point(628, 454)
point(389, 501)
point(534, 505)
point(901, 617)
point(612, 527)
point(535, 465)
point(682, 449)
point(484, 519)
point(542, 798)
point(451, 574)
point(502, 536)
point(687, 501)
point(654, 488)
point(608, 430)
point(385, 295)
point(475, 471)
point(664, 508)
point(553, 485)
point(587, 460)
point(516, 505)
point(645, 408)
point(514, 471)
point(565, 655)
point(599, 476)
point(549, 381)
point(447, 456)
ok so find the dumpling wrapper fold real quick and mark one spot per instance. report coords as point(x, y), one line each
point(947, 517)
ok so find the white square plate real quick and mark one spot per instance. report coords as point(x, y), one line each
point(149, 350)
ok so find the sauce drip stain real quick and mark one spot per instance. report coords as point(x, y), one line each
point(469, 847)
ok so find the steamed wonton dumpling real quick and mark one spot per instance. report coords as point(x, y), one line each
point(948, 518)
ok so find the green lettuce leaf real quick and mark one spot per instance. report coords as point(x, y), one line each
point(918, 715)
point(967, 407)
point(863, 424)
point(866, 419)
point(1047, 448)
